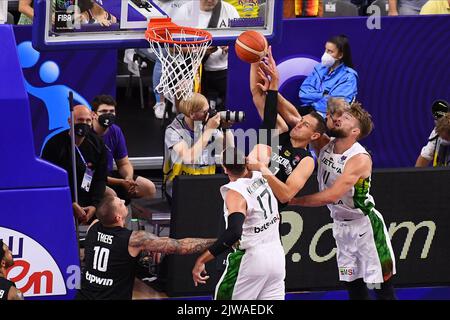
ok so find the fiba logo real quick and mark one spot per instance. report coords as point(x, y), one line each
point(34, 272)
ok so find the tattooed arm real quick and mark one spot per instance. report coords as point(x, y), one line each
point(142, 240)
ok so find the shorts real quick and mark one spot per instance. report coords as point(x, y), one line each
point(364, 249)
point(254, 274)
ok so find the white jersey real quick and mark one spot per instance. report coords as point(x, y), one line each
point(262, 218)
point(357, 202)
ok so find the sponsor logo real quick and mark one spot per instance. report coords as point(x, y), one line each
point(330, 164)
point(266, 225)
point(283, 162)
point(409, 239)
point(97, 280)
point(344, 271)
point(34, 272)
point(342, 159)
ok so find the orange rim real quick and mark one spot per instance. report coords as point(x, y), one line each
point(158, 27)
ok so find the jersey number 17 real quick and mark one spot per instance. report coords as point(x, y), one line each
point(267, 199)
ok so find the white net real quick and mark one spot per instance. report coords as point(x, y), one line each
point(180, 60)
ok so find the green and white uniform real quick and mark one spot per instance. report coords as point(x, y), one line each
point(363, 245)
point(256, 269)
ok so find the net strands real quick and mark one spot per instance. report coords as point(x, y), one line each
point(181, 54)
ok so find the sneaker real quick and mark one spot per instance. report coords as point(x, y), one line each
point(160, 108)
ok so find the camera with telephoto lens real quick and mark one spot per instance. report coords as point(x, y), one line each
point(439, 108)
point(228, 115)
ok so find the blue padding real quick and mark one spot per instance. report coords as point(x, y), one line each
point(45, 216)
point(20, 168)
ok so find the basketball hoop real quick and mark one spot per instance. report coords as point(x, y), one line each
point(180, 50)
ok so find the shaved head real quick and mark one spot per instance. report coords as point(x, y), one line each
point(80, 109)
point(82, 114)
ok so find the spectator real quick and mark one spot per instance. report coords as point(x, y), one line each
point(334, 77)
point(112, 252)
point(438, 146)
point(27, 12)
point(92, 12)
point(91, 165)
point(312, 8)
point(124, 184)
point(211, 14)
point(189, 141)
point(436, 7)
point(3, 11)
point(8, 290)
point(405, 7)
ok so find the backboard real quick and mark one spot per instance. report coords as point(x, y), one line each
point(87, 24)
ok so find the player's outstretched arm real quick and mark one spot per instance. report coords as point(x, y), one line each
point(237, 208)
point(297, 179)
point(359, 166)
point(142, 240)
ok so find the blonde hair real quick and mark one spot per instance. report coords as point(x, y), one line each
point(337, 105)
point(364, 119)
point(193, 104)
point(443, 125)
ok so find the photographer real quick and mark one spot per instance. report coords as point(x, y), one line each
point(192, 140)
point(438, 147)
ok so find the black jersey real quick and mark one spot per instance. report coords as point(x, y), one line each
point(109, 268)
point(5, 285)
point(286, 158)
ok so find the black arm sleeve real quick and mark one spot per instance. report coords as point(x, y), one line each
point(270, 110)
point(231, 234)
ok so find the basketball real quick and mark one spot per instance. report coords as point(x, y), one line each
point(251, 46)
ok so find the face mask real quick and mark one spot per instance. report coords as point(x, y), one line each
point(81, 129)
point(328, 60)
point(106, 120)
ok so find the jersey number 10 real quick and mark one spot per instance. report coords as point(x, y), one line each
point(101, 256)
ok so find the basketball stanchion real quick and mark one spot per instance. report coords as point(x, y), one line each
point(180, 50)
point(74, 170)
